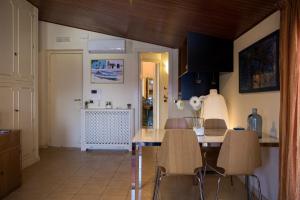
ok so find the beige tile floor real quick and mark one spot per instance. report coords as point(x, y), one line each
point(64, 174)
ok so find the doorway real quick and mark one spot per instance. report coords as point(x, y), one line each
point(154, 68)
point(64, 97)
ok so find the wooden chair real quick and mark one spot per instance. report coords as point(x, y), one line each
point(239, 155)
point(214, 127)
point(179, 154)
point(176, 123)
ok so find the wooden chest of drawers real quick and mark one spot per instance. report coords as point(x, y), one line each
point(10, 161)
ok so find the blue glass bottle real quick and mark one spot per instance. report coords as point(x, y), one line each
point(255, 123)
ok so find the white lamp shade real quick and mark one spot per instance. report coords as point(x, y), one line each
point(215, 107)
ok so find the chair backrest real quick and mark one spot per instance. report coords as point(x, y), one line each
point(180, 152)
point(215, 127)
point(176, 123)
point(240, 153)
point(215, 124)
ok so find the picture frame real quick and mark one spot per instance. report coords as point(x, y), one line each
point(107, 71)
point(259, 65)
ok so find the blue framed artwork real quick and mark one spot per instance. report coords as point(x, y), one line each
point(107, 71)
point(259, 65)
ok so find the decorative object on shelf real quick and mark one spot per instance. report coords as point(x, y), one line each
point(197, 105)
point(214, 107)
point(107, 71)
point(90, 104)
point(255, 122)
point(86, 104)
point(129, 106)
point(259, 65)
point(108, 105)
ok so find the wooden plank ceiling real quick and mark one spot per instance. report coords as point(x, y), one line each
point(162, 22)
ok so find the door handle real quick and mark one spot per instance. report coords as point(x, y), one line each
point(17, 110)
point(77, 100)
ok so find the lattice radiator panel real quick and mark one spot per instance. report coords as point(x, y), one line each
point(107, 129)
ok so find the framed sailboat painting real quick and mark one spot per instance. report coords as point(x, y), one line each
point(107, 71)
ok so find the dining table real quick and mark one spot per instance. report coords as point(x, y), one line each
point(154, 137)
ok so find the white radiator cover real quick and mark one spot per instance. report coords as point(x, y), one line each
point(107, 129)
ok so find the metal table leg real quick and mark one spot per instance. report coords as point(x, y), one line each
point(140, 165)
point(133, 171)
point(136, 164)
point(247, 183)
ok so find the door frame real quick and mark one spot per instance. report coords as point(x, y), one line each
point(140, 105)
point(156, 93)
point(49, 54)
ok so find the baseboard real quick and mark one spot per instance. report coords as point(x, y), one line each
point(63, 148)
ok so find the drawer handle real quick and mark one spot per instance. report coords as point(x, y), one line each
point(17, 110)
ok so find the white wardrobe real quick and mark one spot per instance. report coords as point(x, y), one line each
point(18, 74)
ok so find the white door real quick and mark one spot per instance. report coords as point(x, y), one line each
point(65, 94)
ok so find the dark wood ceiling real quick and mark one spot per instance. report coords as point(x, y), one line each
point(162, 22)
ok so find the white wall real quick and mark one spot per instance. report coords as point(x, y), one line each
point(163, 83)
point(119, 94)
point(268, 104)
point(173, 87)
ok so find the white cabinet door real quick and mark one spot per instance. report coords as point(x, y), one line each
point(6, 107)
point(18, 35)
point(25, 119)
point(25, 40)
point(7, 38)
